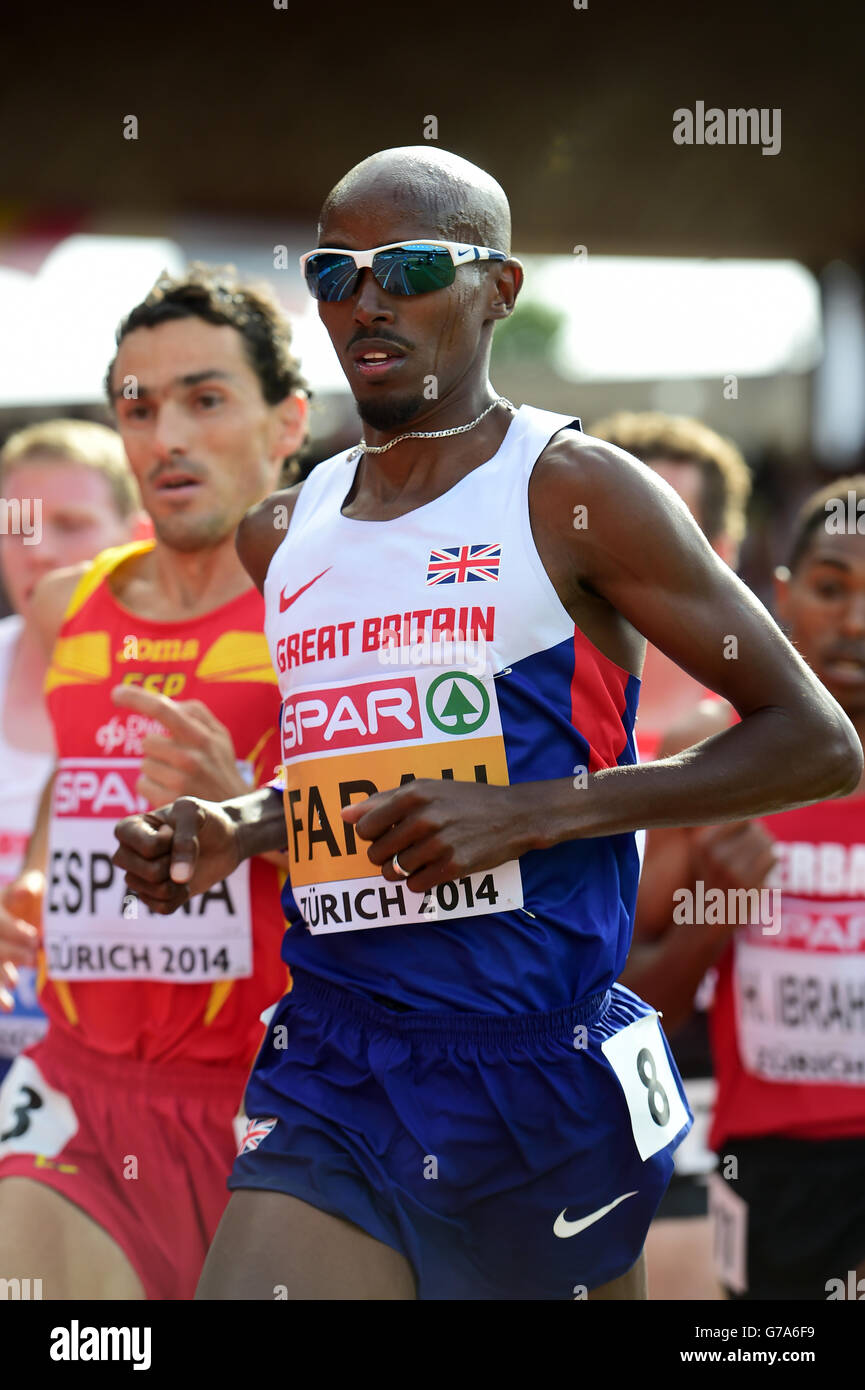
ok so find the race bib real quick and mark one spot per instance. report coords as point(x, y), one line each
point(639, 1059)
point(94, 929)
point(34, 1118)
point(800, 1007)
point(342, 743)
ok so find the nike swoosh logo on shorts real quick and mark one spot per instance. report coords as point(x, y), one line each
point(287, 602)
point(565, 1228)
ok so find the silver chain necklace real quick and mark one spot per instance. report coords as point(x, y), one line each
point(364, 448)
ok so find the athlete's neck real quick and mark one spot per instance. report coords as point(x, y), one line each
point(165, 584)
point(416, 471)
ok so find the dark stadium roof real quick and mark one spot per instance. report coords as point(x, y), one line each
point(248, 109)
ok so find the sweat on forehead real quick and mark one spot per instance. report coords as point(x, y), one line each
point(440, 190)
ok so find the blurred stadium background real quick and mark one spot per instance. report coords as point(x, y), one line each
point(713, 281)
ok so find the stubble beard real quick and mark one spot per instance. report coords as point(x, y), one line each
point(187, 535)
point(390, 413)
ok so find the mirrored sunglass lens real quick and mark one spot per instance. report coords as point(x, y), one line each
point(413, 269)
point(331, 277)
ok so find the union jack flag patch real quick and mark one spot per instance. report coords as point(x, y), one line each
point(463, 564)
point(255, 1131)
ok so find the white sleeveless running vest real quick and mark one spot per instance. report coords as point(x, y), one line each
point(387, 656)
point(434, 645)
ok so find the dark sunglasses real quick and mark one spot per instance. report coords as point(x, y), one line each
point(403, 267)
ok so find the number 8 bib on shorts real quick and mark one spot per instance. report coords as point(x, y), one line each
point(639, 1058)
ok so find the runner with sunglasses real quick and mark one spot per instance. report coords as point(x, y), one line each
point(457, 1100)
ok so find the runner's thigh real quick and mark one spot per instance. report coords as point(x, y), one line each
point(44, 1236)
point(272, 1246)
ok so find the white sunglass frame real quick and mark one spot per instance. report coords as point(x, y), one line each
point(461, 252)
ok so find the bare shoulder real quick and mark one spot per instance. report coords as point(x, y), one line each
point(605, 522)
point(579, 468)
point(51, 598)
point(262, 531)
point(706, 718)
point(587, 489)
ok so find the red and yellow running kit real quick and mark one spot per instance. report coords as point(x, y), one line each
point(127, 1105)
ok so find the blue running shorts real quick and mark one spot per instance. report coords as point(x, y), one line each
point(505, 1156)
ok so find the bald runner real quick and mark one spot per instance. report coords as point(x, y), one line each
point(456, 1100)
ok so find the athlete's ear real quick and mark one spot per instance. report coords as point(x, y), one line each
point(290, 420)
point(507, 285)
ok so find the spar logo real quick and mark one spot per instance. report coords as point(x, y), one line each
point(97, 791)
point(318, 721)
point(457, 703)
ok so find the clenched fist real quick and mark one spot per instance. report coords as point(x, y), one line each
point(171, 854)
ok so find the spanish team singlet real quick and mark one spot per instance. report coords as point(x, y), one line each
point(128, 982)
point(434, 645)
point(788, 1026)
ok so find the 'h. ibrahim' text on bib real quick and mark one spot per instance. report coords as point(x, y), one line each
point(788, 1023)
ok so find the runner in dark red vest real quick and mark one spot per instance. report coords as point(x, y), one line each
point(788, 1025)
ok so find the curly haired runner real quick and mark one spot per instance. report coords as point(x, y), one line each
point(116, 1131)
point(456, 1100)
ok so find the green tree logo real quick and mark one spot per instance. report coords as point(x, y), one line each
point(457, 703)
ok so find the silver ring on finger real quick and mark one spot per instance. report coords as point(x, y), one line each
point(398, 868)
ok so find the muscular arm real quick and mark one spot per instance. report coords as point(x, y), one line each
point(643, 556)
